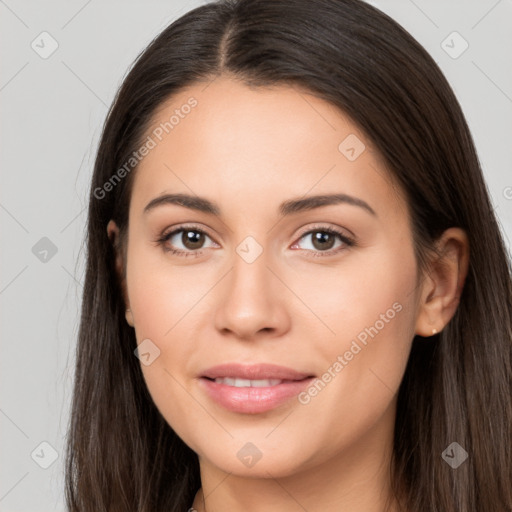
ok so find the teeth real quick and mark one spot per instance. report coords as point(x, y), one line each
point(245, 383)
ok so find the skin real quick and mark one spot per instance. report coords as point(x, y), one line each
point(249, 149)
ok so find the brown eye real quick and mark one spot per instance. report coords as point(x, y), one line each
point(192, 239)
point(322, 240)
point(186, 241)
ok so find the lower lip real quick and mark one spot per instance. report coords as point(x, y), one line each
point(253, 400)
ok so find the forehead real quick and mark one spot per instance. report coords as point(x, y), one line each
point(228, 141)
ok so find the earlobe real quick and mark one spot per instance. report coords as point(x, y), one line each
point(129, 317)
point(443, 286)
point(427, 322)
point(113, 235)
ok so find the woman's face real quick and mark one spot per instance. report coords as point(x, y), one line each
point(261, 280)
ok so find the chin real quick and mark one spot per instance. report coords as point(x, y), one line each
point(258, 459)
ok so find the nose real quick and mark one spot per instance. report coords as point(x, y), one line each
point(252, 300)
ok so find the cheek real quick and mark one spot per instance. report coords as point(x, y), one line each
point(368, 314)
point(160, 301)
point(160, 294)
point(371, 289)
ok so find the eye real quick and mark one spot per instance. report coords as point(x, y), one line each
point(189, 241)
point(323, 240)
point(185, 241)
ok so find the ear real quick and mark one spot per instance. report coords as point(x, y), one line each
point(443, 283)
point(113, 235)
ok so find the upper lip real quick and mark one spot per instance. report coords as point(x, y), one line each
point(254, 372)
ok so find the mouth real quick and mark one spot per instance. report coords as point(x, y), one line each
point(252, 389)
point(254, 372)
point(248, 383)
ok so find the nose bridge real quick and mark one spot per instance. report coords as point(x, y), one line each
point(250, 268)
point(250, 301)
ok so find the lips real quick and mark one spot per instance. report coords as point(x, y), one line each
point(252, 389)
point(263, 371)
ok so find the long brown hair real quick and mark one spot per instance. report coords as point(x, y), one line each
point(121, 453)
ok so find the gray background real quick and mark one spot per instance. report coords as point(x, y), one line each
point(52, 111)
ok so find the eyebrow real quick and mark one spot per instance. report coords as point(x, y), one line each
point(289, 207)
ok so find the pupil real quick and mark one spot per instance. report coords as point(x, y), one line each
point(192, 239)
point(320, 237)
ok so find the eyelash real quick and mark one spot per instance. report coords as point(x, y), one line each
point(348, 241)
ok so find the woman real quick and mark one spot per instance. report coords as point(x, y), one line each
point(297, 295)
